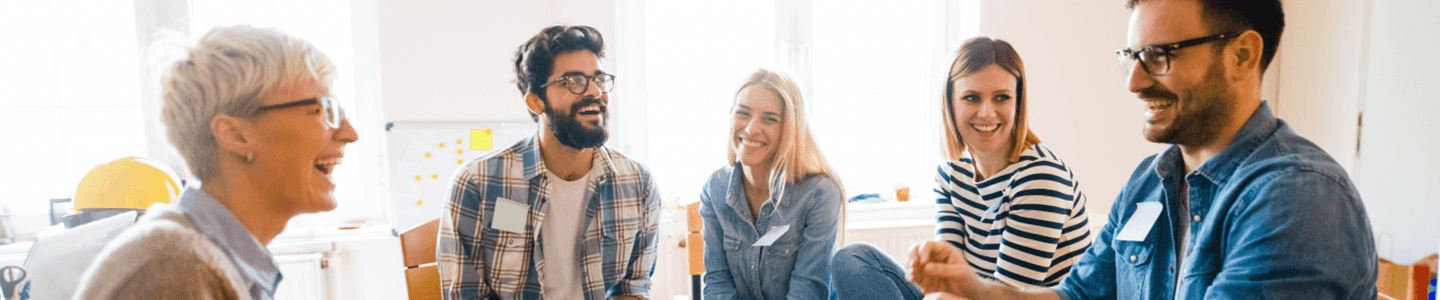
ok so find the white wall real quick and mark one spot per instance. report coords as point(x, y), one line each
point(1079, 105)
point(1318, 71)
point(1400, 167)
point(451, 60)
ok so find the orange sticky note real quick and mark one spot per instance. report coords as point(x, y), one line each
point(480, 139)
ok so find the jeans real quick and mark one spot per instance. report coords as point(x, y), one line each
point(861, 271)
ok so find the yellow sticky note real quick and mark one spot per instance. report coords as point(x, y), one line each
point(459, 151)
point(427, 154)
point(420, 202)
point(442, 145)
point(457, 142)
point(480, 139)
point(417, 177)
point(459, 161)
point(434, 176)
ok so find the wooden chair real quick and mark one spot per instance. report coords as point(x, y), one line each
point(422, 278)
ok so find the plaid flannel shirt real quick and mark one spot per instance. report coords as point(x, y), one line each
point(616, 252)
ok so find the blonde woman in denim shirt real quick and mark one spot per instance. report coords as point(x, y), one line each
point(771, 216)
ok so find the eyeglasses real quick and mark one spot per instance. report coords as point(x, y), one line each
point(1155, 59)
point(579, 83)
point(333, 112)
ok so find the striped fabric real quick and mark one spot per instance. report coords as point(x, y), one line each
point(616, 250)
point(1024, 226)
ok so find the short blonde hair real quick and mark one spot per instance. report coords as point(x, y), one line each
point(230, 71)
point(797, 156)
point(974, 55)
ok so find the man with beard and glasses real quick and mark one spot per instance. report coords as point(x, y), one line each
point(1239, 207)
point(557, 215)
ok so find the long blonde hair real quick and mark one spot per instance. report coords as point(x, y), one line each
point(974, 55)
point(798, 156)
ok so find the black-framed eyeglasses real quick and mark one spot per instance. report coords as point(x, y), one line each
point(1156, 58)
point(579, 83)
point(333, 113)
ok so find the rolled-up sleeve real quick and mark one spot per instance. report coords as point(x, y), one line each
point(457, 253)
point(643, 253)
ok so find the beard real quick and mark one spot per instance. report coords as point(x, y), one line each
point(570, 132)
point(1200, 116)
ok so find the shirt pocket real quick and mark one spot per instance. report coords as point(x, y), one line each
point(1132, 267)
point(511, 254)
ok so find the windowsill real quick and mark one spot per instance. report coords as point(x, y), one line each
point(889, 215)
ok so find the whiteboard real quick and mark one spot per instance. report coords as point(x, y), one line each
point(424, 155)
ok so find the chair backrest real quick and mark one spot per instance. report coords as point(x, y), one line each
point(422, 279)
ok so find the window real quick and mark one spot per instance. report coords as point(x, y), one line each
point(871, 74)
point(74, 94)
point(69, 99)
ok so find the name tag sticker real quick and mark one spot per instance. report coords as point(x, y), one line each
point(509, 215)
point(770, 237)
point(1141, 220)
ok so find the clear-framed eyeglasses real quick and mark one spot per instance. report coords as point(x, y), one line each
point(331, 108)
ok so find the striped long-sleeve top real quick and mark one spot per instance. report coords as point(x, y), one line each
point(1024, 226)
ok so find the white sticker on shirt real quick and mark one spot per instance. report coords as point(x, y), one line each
point(770, 237)
point(509, 215)
point(1144, 217)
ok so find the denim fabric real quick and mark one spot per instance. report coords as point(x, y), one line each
point(1273, 217)
point(796, 266)
point(856, 268)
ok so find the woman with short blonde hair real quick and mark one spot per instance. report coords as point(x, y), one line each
point(250, 110)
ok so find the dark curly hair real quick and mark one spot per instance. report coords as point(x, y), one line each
point(535, 59)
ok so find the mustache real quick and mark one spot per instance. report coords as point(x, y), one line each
point(587, 101)
point(1156, 92)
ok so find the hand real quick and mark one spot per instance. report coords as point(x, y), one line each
point(940, 267)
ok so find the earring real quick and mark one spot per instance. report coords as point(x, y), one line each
point(250, 157)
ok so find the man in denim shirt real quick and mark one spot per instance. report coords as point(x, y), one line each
point(1239, 207)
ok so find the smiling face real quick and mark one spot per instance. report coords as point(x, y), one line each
point(757, 130)
point(984, 109)
point(1190, 104)
point(296, 152)
point(578, 121)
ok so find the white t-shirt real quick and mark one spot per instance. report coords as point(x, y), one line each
point(561, 232)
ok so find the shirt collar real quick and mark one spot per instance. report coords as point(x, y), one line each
point(535, 163)
point(1219, 168)
point(221, 227)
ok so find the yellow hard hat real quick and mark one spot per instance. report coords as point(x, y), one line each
point(128, 183)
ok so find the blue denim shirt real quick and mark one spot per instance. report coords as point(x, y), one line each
point(1272, 217)
point(796, 266)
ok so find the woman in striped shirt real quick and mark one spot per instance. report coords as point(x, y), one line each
point(1006, 201)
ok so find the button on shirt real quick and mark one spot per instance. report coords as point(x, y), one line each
point(1273, 217)
point(253, 260)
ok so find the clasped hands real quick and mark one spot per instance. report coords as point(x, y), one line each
point(940, 270)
